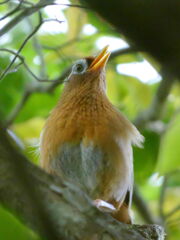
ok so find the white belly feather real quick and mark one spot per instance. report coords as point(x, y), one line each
point(82, 165)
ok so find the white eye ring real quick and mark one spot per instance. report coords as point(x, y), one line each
point(79, 67)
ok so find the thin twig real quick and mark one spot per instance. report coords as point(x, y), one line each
point(52, 19)
point(16, 67)
point(123, 51)
point(21, 58)
point(66, 44)
point(4, 2)
point(15, 10)
point(27, 3)
point(173, 222)
point(21, 47)
point(39, 88)
point(159, 100)
point(29, 11)
point(162, 197)
point(41, 21)
point(173, 211)
point(142, 207)
point(38, 48)
point(25, 13)
point(18, 107)
point(34, 89)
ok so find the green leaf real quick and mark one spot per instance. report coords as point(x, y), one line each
point(11, 88)
point(138, 95)
point(169, 153)
point(29, 129)
point(12, 229)
point(145, 158)
point(38, 105)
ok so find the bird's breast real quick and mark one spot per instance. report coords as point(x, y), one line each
point(82, 164)
point(89, 143)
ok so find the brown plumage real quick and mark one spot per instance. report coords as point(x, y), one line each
point(88, 141)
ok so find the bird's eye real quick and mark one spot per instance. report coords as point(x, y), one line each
point(80, 67)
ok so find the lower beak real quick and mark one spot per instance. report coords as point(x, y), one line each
point(100, 61)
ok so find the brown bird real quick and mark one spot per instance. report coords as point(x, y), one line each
point(86, 140)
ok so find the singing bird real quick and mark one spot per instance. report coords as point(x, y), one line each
point(87, 141)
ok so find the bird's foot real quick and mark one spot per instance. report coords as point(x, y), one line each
point(104, 206)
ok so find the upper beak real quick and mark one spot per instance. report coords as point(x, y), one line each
point(100, 61)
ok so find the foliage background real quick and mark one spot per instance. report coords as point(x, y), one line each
point(48, 53)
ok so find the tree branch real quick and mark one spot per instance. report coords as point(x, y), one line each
point(25, 13)
point(151, 114)
point(35, 89)
point(38, 49)
point(70, 212)
point(123, 51)
point(173, 211)
point(28, 12)
point(15, 10)
point(52, 83)
point(23, 62)
point(157, 105)
point(22, 46)
point(142, 207)
point(162, 214)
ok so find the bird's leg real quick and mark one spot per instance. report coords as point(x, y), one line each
point(118, 211)
point(104, 206)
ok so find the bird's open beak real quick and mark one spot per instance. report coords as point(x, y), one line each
point(100, 61)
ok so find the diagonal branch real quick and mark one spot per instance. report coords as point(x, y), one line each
point(38, 49)
point(28, 12)
point(25, 13)
point(120, 52)
point(162, 197)
point(15, 10)
point(52, 83)
point(142, 207)
point(23, 62)
point(157, 105)
point(35, 89)
point(173, 211)
point(34, 195)
point(22, 46)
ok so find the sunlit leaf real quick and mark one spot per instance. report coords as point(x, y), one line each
point(29, 129)
point(138, 95)
point(145, 158)
point(169, 154)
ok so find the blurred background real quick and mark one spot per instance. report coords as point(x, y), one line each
point(35, 56)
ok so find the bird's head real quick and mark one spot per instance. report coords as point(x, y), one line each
point(89, 71)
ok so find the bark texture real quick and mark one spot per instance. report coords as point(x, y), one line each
point(56, 209)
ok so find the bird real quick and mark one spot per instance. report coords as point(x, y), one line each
point(86, 140)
